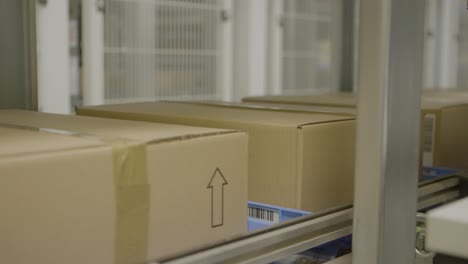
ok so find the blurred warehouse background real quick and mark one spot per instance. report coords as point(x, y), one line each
point(140, 50)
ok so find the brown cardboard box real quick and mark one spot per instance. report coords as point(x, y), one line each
point(296, 159)
point(444, 129)
point(447, 96)
point(178, 188)
point(444, 139)
point(54, 208)
point(348, 100)
point(288, 107)
point(341, 100)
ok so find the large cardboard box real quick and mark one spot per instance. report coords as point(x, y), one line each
point(448, 96)
point(296, 159)
point(444, 131)
point(349, 100)
point(340, 100)
point(444, 124)
point(94, 190)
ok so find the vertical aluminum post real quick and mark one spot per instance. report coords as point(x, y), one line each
point(390, 56)
point(93, 52)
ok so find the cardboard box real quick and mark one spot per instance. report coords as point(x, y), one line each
point(444, 141)
point(113, 191)
point(447, 96)
point(296, 159)
point(341, 100)
point(285, 107)
point(444, 125)
point(348, 100)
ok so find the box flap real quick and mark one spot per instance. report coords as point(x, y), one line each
point(327, 165)
point(284, 107)
point(455, 93)
point(54, 208)
point(16, 142)
point(328, 99)
point(131, 130)
point(205, 112)
point(349, 100)
point(434, 104)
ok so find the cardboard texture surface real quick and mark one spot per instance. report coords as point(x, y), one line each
point(451, 96)
point(444, 122)
point(327, 99)
point(284, 107)
point(136, 191)
point(54, 208)
point(281, 172)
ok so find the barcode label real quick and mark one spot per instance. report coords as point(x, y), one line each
point(264, 214)
point(428, 141)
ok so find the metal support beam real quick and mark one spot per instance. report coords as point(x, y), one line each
point(389, 81)
point(294, 236)
point(18, 72)
point(93, 55)
point(250, 55)
point(275, 47)
point(53, 55)
point(447, 48)
point(347, 46)
point(272, 244)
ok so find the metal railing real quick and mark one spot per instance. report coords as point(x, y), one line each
point(301, 234)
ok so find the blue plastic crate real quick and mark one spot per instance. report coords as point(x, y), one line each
point(264, 215)
point(431, 173)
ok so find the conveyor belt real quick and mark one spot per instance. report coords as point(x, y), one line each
point(306, 232)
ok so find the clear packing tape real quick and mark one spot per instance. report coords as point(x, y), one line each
point(132, 192)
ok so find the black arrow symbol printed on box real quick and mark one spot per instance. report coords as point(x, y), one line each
point(216, 185)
